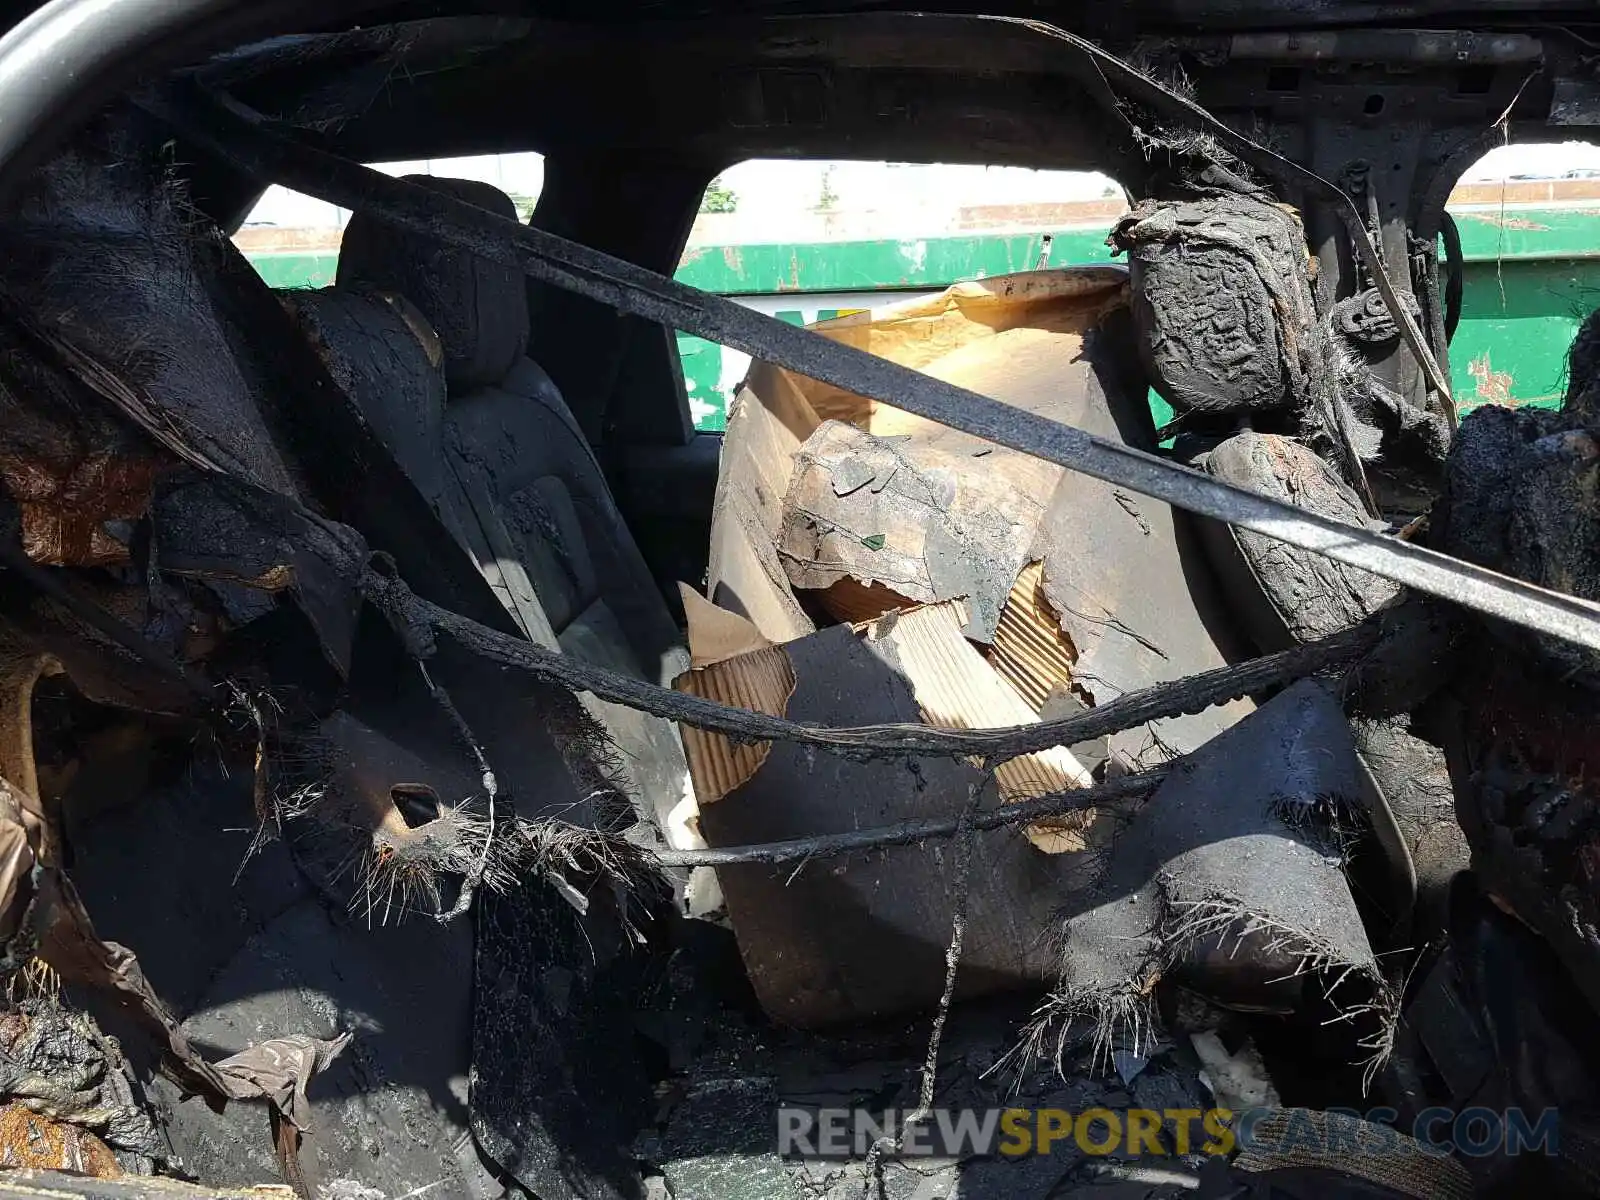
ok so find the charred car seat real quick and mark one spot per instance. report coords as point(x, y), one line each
point(278, 956)
point(503, 460)
point(488, 441)
point(275, 956)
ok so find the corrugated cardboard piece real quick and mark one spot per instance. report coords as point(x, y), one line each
point(956, 689)
point(1030, 651)
point(1020, 339)
point(731, 663)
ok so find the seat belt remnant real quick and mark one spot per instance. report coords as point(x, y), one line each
point(246, 139)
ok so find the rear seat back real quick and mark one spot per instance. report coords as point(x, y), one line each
point(485, 434)
point(506, 422)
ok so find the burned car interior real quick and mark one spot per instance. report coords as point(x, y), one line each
point(431, 766)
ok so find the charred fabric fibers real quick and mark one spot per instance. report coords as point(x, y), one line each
point(1230, 882)
point(1523, 494)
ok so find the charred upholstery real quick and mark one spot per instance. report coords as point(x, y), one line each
point(430, 341)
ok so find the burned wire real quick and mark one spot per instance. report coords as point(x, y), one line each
point(907, 833)
point(417, 620)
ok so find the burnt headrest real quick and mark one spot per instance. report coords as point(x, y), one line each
point(478, 308)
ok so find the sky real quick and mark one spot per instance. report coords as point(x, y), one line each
point(1545, 161)
point(922, 194)
point(771, 187)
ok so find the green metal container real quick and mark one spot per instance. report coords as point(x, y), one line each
point(1531, 276)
